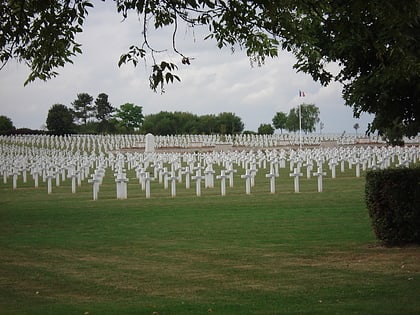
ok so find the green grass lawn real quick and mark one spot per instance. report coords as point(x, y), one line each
point(283, 253)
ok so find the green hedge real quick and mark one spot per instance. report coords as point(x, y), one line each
point(393, 201)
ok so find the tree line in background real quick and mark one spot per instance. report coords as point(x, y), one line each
point(93, 116)
point(97, 116)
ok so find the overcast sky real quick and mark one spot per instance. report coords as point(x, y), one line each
point(216, 81)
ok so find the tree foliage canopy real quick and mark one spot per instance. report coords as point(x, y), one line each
point(229, 123)
point(130, 116)
point(6, 125)
point(82, 107)
point(375, 43)
point(60, 120)
point(279, 121)
point(41, 33)
point(265, 129)
point(178, 123)
point(309, 117)
point(103, 108)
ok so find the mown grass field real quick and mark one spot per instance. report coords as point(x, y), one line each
point(287, 253)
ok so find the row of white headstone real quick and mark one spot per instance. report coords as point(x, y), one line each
point(59, 164)
point(106, 143)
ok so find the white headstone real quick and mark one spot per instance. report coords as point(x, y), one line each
point(150, 143)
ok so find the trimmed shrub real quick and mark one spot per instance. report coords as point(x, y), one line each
point(393, 201)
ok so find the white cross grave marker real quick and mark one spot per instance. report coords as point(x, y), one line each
point(35, 175)
point(272, 177)
point(15, 177)
point(247, 178)
point(165, 173)
point(230, 172)
point(147, 180)
point(140, 175)
point(222, 178)
point(50, 176)
point(357, 163)
point(309, 166)
point(333, 164)
point(198, 179)
point(72, 174)
point(296, 175)
point(173, 178)
point(320, 174)
point(95, 181)
point(57, 177)
point(187, 173)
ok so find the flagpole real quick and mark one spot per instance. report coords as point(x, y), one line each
point(300, 126)
point(301, 94)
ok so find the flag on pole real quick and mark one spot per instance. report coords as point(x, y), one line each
point(301, 93)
